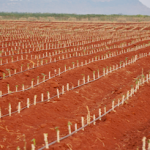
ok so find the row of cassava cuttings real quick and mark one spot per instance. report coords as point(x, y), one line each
point(40, 63)
point(80, 83)
point(87, 122)
point(44, 46)
point(97, 58)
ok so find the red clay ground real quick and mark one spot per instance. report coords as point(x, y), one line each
point(122, 129)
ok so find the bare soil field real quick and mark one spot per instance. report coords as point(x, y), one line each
point(74, 86)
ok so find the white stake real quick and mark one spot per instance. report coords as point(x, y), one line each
point(83, 79)
point(9, 109)
point(18, 148)
point(37, 79)
point(103, 71)
point(65, 68)
point(8, 88)
point(63, 89)
point(58, 138)
point(0, 93)
point(58, 93)
point(148, 144)
point(78, 82)
point(67, 86)
point(49, 74)
point(42, 96)
point(98, 73)
point(113, 104)
point(23, 87)
point(100, 113)
point(88, 78)
point(127, 95)
point(94, 119)
point(88, 118)
point(123, 99)
point(35, 96)
point(82, 122)
point(48, 96)
point(32, 83)
point(19, 107)
point(107, 71)
point(118, 102)
point(28, 102)
point(76, 127)
point(59, 71)
point(144, 143)
point(32, 147)
point(46, 140)
point(93, 75)
point(0, 113)
point(105, 110)
point(147, 78)
point(69, 127)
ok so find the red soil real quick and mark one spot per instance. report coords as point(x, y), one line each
point(122, 129)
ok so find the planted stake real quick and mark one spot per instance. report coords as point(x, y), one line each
point(98, 73)
point(123, 99)
point(63, 89)
point(58, 93)
point(28, 102)
point(118, 102)
point(16, 88)
point(65, 68)
point(149, 144)
point(18, 148)
point(35, 96)
point(48, 96)
point(88, 78)
point(69, 127)
point(19, 107)
point(8, 88)
point(103, 71)
point(105, 110)
point(93, 75)
point(0, 93)
point(82, 122)
point(59, 71)
point(42, 96)
point(32, 83)
point(46, 140)
point(147, 78)
point(83, 79)
point(94, 119)
point(144, 143)
point(78, 82)
point(32, 147)
point(49, 74)
point(76, 127)
point(58, 137)
point(9, 109)
point(127, 95)
point(0, 113)
point(23, 87)
point(67, 86)
point(113, 104)
point(100, 113)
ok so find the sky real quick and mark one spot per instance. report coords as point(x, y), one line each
point(145, 2)
point(128, 7)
